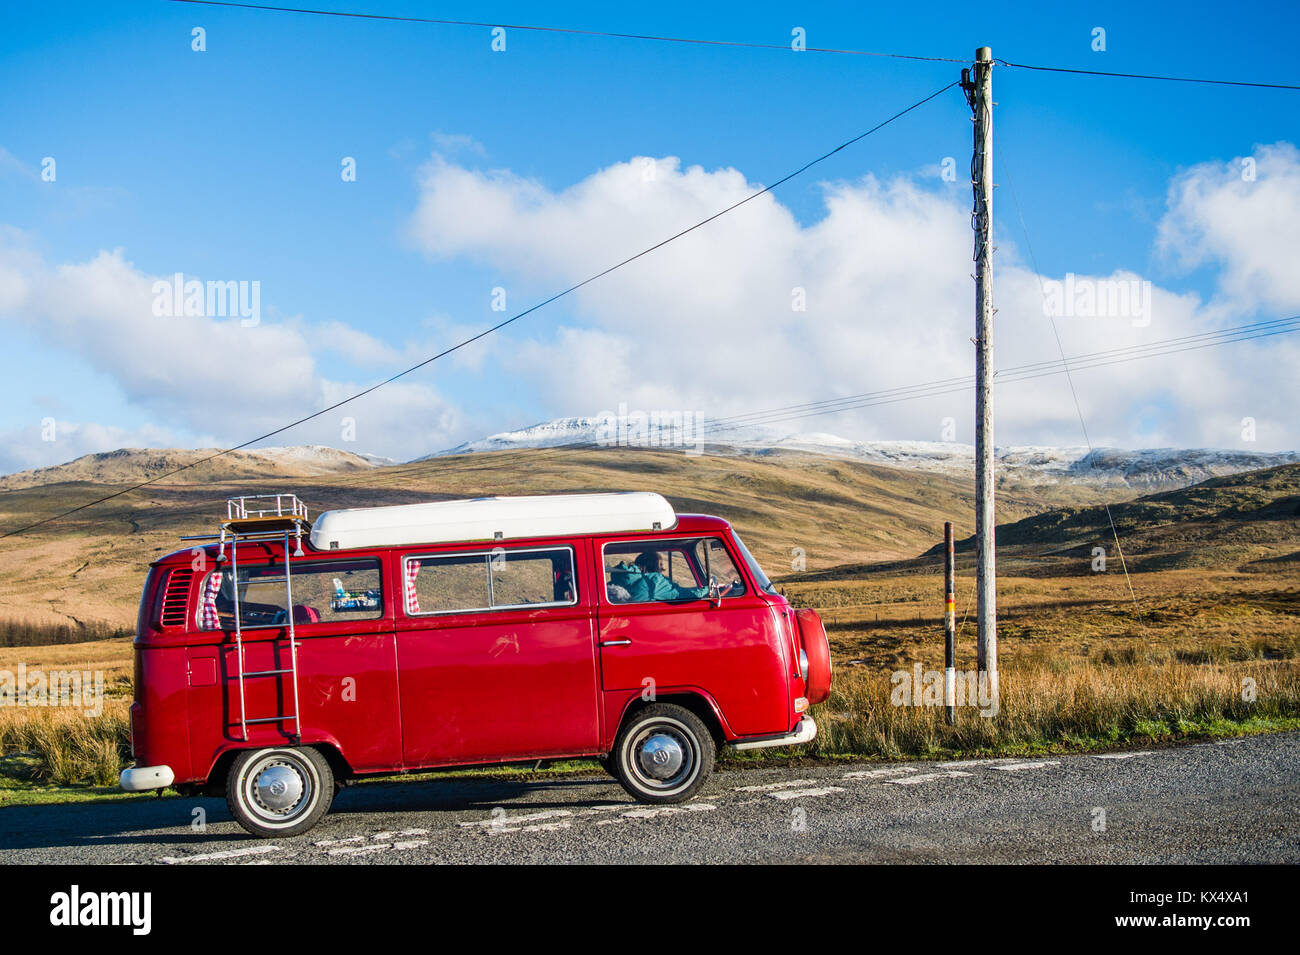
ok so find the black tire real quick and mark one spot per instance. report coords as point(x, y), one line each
point(280, 769)
point(663, 728)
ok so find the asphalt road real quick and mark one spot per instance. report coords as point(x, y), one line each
point(1236, 801)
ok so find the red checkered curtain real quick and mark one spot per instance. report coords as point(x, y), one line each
point(412, 598)
point(209, 619)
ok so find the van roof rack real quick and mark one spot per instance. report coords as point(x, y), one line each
point(260, 517)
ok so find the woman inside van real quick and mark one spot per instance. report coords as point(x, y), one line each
point(645, 580)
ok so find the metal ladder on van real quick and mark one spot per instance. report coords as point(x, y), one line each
point(264, 518)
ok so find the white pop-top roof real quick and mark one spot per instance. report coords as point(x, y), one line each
point(492, 518)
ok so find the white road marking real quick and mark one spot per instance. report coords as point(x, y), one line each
point(597, 810)
point(654, 812)
point(361, 850)
point(413, 844)
point(498, 822)
point(538, 827)
point(389, 836)
point(770, 786)
point(812, 793)
point(881, 773)
point(926, 777)
point(1016, 767)
point(1145, 752)
point(957, 763)
point(338, 842)
point(219, 856)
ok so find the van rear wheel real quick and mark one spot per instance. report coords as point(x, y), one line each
point(663, 754)
point(279, 791)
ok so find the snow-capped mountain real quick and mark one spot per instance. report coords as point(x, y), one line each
point(1153, 468)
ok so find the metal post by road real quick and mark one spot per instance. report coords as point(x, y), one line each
point(949, 625)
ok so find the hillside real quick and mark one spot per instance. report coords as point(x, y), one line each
point(1247, 523)
point(1152, 469)
point(133, 465)
point(90, 565)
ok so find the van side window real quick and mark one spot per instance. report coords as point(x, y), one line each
point(323, 592)
point(647, 571)
point(499, 579)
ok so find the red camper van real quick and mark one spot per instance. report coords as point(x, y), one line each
point(280, 657)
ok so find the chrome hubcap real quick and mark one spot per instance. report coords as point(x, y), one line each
point(661, 756)
point(278, 788)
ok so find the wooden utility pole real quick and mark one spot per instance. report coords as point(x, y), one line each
point(979, 93)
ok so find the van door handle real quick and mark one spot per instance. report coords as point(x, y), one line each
point(616, 643)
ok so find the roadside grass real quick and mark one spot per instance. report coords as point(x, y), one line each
point(1080, 672)
point(1049, 705)
point(63, 747)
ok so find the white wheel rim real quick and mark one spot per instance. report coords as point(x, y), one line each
point(651, 770)
point(278, 788)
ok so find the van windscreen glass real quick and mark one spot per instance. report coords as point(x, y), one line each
point(760, 578)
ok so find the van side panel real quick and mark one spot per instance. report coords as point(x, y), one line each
point(733, 652)
point(500, 685)
point(160, 713)
point(737, 652)
point(347, 688)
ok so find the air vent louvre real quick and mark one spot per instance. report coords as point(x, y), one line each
point(175, 598)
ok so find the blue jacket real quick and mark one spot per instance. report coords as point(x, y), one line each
point(645, 587)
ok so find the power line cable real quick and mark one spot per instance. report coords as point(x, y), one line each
point(1053, 366)
point(698, 41)
point(574, 31)
point(1150, 76)
point(922, 390)
point(500, 325)
point(1078, 407)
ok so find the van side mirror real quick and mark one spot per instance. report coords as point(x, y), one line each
point(715, 591)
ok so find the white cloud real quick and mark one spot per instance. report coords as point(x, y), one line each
point(211, 376)
point(56, 441)
point(1244, 217)
point(707, 322)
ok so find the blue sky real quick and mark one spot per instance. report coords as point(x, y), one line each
point(225, 164)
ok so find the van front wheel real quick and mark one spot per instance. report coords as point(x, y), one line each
point(663, 754)
point(280, 791)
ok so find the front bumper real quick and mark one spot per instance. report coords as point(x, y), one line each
point(138, 779)
point(804, 732)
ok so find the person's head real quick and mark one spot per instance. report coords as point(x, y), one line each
point(650, 561)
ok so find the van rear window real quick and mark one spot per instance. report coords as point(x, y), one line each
point(499, 579)
point(323, 592)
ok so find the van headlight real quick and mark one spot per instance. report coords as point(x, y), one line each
point(803, 664)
